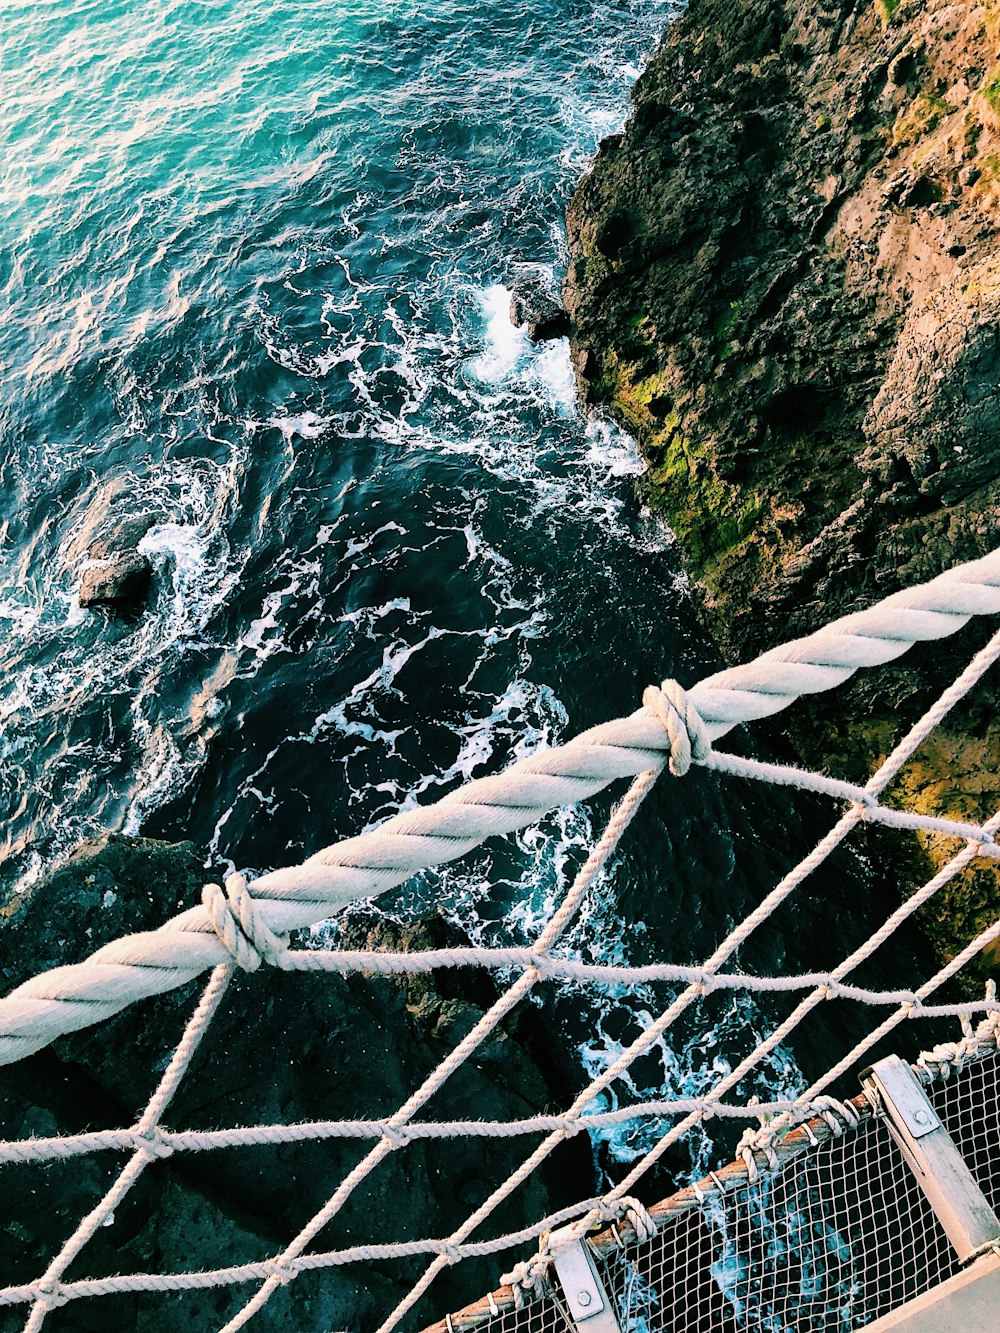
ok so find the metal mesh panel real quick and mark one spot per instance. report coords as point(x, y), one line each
point(969, 1106)
point(838, 1238)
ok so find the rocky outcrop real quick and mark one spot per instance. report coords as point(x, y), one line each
point(785, 279)
point(119, 579)
point(285, 1047)
point(117, 574)
point(537, 311)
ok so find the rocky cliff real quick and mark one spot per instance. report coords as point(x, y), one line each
point(785, 279)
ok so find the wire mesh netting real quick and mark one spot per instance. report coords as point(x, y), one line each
point(969, 1106)
point(838, 1238)
point(819, 1246)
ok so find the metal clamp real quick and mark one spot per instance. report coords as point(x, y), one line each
point(931, 1154)
point(588, 1302)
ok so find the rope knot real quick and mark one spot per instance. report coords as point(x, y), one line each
point(50, 1296)
point(240, 925)
point(151, 1143)
point(634, 1212)
point(527, 1279)
point(839, 1116)
point(642, 1223)
point(398, 1136)
point(686, 732)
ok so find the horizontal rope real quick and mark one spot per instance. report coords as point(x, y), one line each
point(872, 810)
point(68, 998)
point(932, 1067)
point(607, 974)
point(272, 1269)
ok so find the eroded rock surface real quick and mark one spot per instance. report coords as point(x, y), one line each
point(786, 280)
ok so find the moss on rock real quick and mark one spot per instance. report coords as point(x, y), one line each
point(784, 279)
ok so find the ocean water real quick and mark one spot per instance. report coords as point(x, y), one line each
point(256, 264)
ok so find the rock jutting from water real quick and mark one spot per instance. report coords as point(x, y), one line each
point(117, 574)
point(785, 279)
point(536, 310)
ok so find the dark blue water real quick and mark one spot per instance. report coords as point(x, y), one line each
point(256, 262)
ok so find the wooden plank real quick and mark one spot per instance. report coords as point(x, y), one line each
point(931, 1154)
point(967, 1303)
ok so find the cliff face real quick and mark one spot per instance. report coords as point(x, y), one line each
point(786, 280)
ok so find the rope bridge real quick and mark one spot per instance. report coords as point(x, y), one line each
point(246, 926)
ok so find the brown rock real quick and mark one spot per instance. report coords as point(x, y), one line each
point(121, 580)
point(785, 280)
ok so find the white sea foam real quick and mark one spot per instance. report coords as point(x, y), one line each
point(506, 344)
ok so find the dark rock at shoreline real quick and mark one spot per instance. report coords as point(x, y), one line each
point(285, 1047)
point(785, 280)
point(534, 308)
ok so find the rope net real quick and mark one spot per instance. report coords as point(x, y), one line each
point(745, 1258)
point(839, 1237)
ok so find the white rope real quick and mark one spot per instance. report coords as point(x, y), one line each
point(149, 1146)
point(66, 999)
point(934, 1066)
point(234, 926)
point(588, 873)
point(651, 1034)
point(603, 974)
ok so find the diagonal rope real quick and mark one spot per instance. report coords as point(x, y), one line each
point(235, 925)
point(391, 1139)
point(66, 999)
point(805, 1099)
point(149, 1147)
point(880, 780)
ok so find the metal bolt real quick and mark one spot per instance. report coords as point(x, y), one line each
point(921, 1117)
point(584, 1298)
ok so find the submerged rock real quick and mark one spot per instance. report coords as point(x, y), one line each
point(284, 1047)
point(538, 311)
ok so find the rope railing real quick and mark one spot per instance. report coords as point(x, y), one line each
point(769, 1150)
point(66, 999)
point(248, 925)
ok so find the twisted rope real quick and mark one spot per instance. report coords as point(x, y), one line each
point(671, 727)
point(725, 950)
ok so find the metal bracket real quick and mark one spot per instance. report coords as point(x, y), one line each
point(931, 1154)
point(590, 1307)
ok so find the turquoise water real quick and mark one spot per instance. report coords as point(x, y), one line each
point(252, 261)
point(256, 262)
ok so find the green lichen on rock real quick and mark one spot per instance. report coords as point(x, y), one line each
point(991, 90)
point(887, 9)
point(784, 279)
